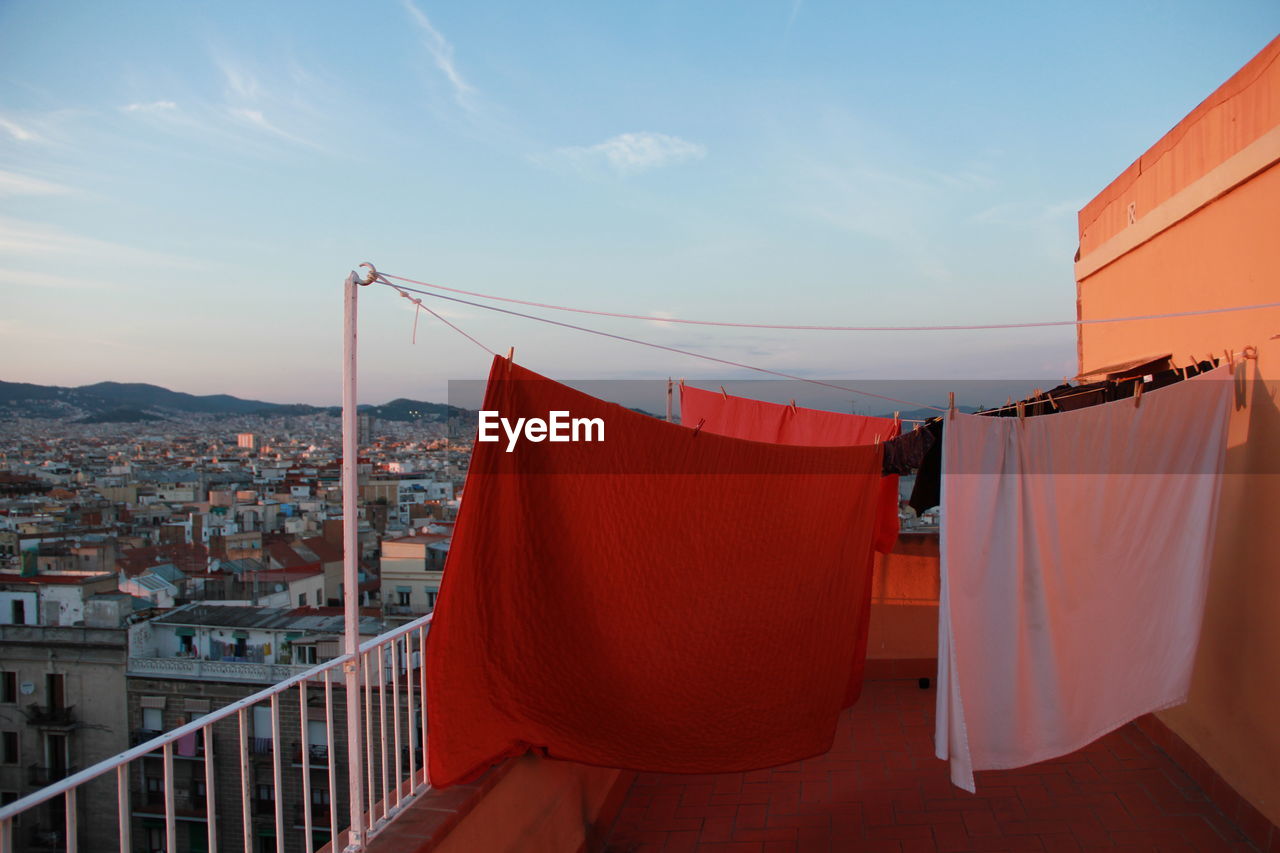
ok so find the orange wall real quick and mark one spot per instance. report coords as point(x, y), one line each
point(538, 805)
point(1207, 204)
point(904, 601)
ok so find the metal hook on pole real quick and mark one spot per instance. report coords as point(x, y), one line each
point(371, 276)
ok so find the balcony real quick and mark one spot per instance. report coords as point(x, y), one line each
point(217, 670)
point(47, 717)
point(317, 755)
point(140, 736)
point(880, 786)
point(40, 775)
point(191, 749)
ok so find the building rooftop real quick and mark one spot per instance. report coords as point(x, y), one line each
point(55, 579)
point(265, 618)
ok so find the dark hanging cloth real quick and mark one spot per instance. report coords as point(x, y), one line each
point(905, 453)
point(1163, 379)
point(927, 491)
point(1072, 397)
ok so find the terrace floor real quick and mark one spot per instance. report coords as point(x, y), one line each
point(881, 789)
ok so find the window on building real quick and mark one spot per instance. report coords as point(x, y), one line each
point(155, 790)
point(266, 793)
point(305, 654)
point(302, 599)
point(155, 839)
point(19, 612)
point(8, 747)
point(431, 597)
point(402, 598)
point(152, 719)
point(55, 687)
point(262, 723)
point(320, 797)
point(8, 687)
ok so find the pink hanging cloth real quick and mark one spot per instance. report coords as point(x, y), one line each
point(1075, 557)
point(619, 603)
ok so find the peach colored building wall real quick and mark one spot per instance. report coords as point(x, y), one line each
point(1195, 224)
point(904, 604)
point(539, 805)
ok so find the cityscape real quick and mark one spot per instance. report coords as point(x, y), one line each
point(151, 577)
point(281, 572)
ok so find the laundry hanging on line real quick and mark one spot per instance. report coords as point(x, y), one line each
point(1074, 558)
point(668, 599)
point(922, 447)
point(758, 420)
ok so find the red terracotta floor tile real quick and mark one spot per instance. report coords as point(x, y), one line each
point(881, 789)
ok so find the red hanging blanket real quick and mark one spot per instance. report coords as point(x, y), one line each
point(757, 420)
point(666, 599)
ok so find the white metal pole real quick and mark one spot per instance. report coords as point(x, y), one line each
point(350, 564)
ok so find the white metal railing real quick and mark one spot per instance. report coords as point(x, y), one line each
point(391, 681)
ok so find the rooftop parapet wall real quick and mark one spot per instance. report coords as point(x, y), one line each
point(1203, 236)
point(1236, 115)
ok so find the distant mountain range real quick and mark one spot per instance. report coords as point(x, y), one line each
point(135, 402)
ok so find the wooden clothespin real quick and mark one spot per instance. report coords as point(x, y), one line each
point(511, 353)
point(1230, 356)
point(698, 428)
point(793, 406)
point(724, 393)
point(681, 381)
point(877, 438)
point(1137, 394)
point(1022, 411)
point(951, 405)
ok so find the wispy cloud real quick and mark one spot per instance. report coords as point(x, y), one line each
point(791, 18)
point(150, 107)
point(260, 121)
point(629, 153)
point(442, 54)
point(32, 278)
point(34, 239)
point(241, 84)
point(17, 131)
point(13, 184)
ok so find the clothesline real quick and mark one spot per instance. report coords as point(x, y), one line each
point(405, 290)
point(821, 328)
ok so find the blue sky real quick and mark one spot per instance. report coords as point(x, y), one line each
point(184, 186)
